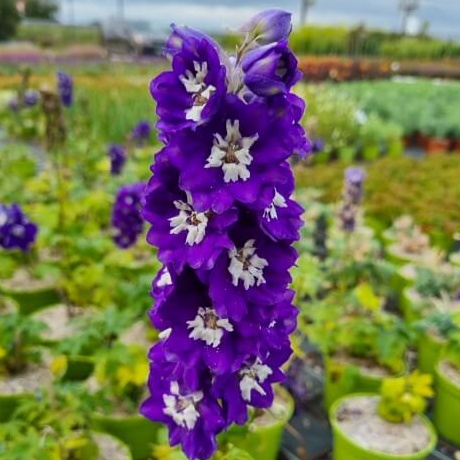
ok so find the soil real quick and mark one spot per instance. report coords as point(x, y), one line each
point(451, 372)
point(357, 418)
point(366, 366)
point(22, 280)
point(110, 449)
point(136, 334)
point(57, 320)
point(275, 413)
point(34, 378)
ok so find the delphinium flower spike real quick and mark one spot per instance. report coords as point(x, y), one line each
point(16, 230)
point(65, 88)
point(117, 156)
point(221, 214)
point(351, 197)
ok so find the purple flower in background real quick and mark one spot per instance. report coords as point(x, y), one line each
point(221, 215)
point(31, 98)
point(126, 215)
point(268, 26)
point(141, 132)
point(458, 295)
point(351, 197)
point(117, 155)
point(318, 145)
point(16, 231)
point(13, 104)
point(270, 69)
point(65, 88)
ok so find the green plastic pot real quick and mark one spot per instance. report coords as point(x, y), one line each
point(263, 442)
point(410, 307)
point(78, 368)
point(388, 237)
point(396, 148)
point(430, 349)
point(138, 433)
point(446, 413)
point(121, 445)
point(30, 301)
point(342, 380)
point(371, 152)
point(401, 280)
point(455, 259)
point(9, 403)
point(346, 449)
point(397, 258)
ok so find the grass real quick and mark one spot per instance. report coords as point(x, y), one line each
point(427, 189)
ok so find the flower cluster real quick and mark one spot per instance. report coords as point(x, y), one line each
point(117, 155)
point(126, 215)
point(222, 218)
point(16, 231)
point(351, 197)
point(141, 132)
point(30, 99)
point(65, 88)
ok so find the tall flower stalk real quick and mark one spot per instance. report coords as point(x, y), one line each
point(223, 221)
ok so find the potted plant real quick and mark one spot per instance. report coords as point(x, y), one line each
point(120, 375)
point(370, 137)
point(56, 425)
point(362, 345)
point(432, 290)
point(434, 331)
point(386, 426)
point(447, 385)
point(22, 370)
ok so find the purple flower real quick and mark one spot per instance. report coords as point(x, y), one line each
point(351, 197)
point(268, 26)
point(191, 93)
point(318, 145)
point(65, 88)
point(221, 215)
point(117, 155)
point(141, 132)
point(16, 231)
point(126, 215)
point(270, 69)
point(457, 297)
point(13, 104)
point(31, 98)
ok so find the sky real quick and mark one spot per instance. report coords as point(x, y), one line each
point(219, 15)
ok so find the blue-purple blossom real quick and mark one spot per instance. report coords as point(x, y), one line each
point(221, 215)
point(268, 26)
point(317, 145)
point(65, 88)
point(126, 215)
point(351, 197)
point(141, 132)
point(31, 98)
point(270, 69)
point(16, 230)
point(13, 104)
point(117, 155)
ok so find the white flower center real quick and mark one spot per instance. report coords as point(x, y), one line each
point(3, 217)
point(246, 265)
point(182, 409)
point(232, 153)
point(252, 377)
point(165, 278)
point(207, 326)
point(194, 84)
point(278, 202)
point(188, 219)
point(18, 231)
point(163, 335)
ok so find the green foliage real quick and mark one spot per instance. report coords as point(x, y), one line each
point(319, 40)
point(96, 331)
point(402, 398)
point(431, 283)
point(41, 9)
point(52, 427)
point(396, 186)
point(19, 337)
point(9, 19)
point(121, 372)
point(442, 324)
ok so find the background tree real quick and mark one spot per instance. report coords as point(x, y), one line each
point(41, 9)
point(9, 19)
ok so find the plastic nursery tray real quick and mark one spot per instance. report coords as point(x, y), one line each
point(308, 437)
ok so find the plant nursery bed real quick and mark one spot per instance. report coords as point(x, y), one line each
point(308, 437)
